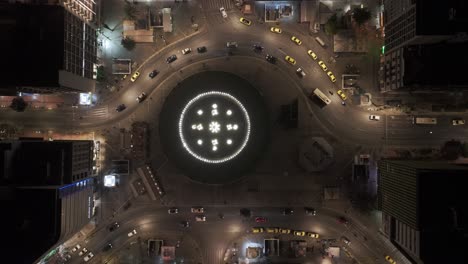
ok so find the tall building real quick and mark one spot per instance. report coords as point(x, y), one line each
point(49, 190)
point(50, 47)
point(423, 209)
point(414, 27)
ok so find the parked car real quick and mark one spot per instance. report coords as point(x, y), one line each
point(257, 230)
point(390, 260)
point(201, 49)
point(76, 248)
point(260, 219)
point(299, 233)
point(290, 60)
point(171, 59)
point(458, 121)
point(200, 218)
point(296, 40)
point(83, 251)
point(153, 74)
point(223, 12)
point(141, 97)
point(311, 234)
point(135, 76)
point(272, 230)
point(374, 117)
point(300, 72)
point(284, 231)
point(312, 54)
point(323, 66)
point(231, 44)
point(89, 256)
point(245, 21)
point(197, 210)
point(275, 30)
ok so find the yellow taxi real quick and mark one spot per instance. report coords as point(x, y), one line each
point(257, 230)
point(331, 76)
point(272, 230)
point(314, 235)
point(341, 94)
point(296, 40)
point(245, 21)
point(134, 76)
point(389, 259)
point(290, 60)
point(312, 54)
point(285, 231)
point(275, 30)
point(299, 233)
point(323, 66)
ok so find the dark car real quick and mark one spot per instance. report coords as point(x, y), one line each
point(270, 59)
point(245, 212)
point(342, 220)
point(171, 58)
point(260, 219)
point(185, 224)
point(288, 211)
point(107, 247)
point(257, 48)
point(153, 74)
point(201, 49)
point(120, 108)
point(114, 226)
point(310, 211)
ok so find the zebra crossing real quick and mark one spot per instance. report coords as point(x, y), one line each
point(209, 5)
point(97, 113)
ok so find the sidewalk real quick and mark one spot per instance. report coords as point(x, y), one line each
point(184, 16)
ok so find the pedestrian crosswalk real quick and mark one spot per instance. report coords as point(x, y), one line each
point(96, 113)
point(209, 5)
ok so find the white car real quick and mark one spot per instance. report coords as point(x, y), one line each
point(300, 72)
point(197, 210)
point(458, 121)
point(186, 51)
point(89, 256)
point(374, 117)
point(132, 233)
point(200, 218)
point(83, 252)
point(223, 12)
point(77, 247)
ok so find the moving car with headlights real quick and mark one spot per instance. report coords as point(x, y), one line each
point(197, 210)
point(275, 30)
point(257, 230)
point(374, 117)
point(245, 21)
point(107, 247)
point(186, 51)
point(323, 66)
point(331, 76)
point(290, 60)
point(141, 97)
point(311, 234)
point(153, 74)
point(285, 231)
point(89, 256)
point(171, 59)
point(258, 48)
point(223, 12)
point(173, 211)
point(390, 260)
point(300, 72)
point(299, 233)
point(312, 54)
point(342, 95)
point(135, 76)
point(271, 59)
point(113, 227)
point(458, 121)
point(132, 233)
point(200, 218)
point(296, 40)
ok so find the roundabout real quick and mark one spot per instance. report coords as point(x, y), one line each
point(214, 126)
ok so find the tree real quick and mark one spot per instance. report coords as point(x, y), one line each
point(128, 43)
point(331, 27)
point(18, 104)
point(130, 11)
point(100, 75)
point(361, 15)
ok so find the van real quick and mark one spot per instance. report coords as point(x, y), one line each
point(320, 41)
point(231, 44)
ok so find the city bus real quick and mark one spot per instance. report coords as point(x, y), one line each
point(321, 96)
point(424, 120)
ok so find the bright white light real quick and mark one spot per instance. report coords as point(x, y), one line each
point(215, 127)
point(229, 141)
point(200, 112)
point(194, 126)
point(109, 181)
point(214, 142)
point(200, 142)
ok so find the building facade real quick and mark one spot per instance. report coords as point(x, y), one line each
point(422, 205)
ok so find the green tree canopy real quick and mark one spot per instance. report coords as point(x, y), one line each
point(331, 27)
